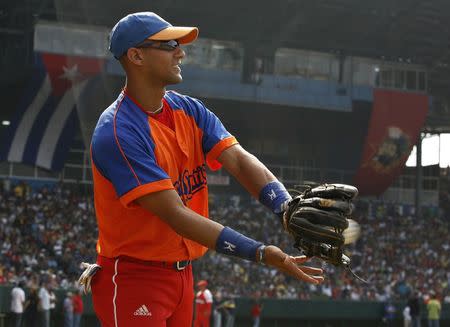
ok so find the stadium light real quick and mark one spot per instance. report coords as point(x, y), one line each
point(6, 123)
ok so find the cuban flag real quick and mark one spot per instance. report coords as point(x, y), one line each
point(46, 118)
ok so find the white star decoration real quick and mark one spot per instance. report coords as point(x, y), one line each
point(71, 73)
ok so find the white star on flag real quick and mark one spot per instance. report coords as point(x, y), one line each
point(71, 73)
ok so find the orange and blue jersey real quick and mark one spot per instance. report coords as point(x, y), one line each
point(134, 154)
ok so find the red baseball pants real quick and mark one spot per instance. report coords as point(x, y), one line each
point(136, 293)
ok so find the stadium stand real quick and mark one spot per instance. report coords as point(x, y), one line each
point(48, 231)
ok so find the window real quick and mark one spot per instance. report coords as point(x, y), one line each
point(399, 79)
point(43, 173)
point(387, 78)
point(335, 68)
point(409, 182)
point(422, 81)
point(411, 80)
point(306, 64)
point(430, 184)
point(396, 183)
point(290, 62)
point(392, 75)
point(208, 53)
point(319, 67)
point(365, 71)
point(23, 170)
point(4, 168)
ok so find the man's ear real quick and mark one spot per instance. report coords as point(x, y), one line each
point(135, 56)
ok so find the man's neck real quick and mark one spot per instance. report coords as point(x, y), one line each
point(149, 98)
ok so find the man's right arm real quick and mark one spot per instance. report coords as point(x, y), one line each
point(168, 206)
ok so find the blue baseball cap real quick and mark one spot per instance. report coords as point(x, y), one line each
point(136, 28)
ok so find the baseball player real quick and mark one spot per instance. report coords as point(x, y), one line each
point(149, 154)
point(203, 305)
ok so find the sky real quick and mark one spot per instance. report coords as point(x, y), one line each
point(435, 150)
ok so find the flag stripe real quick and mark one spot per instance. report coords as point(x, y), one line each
point(38, 129)
point(37, 78)
point(46, 118)
point(65, 141)
point(36, 81)
point(24, 128)
point(56, 124)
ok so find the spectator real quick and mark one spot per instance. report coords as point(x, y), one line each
point(414, 305)
point(447, 298)
point(256, 313)
point(44, 305)
point(217, 309)
point(203, 305)
point(434, 310)
point(52, 297)
point(68, 310)
point(17, 303)
point(47, 232)
point(389, 314)
point(230, 307)
point(2, 276)
point(407, 316)
point(77, 308)
point(31, 309)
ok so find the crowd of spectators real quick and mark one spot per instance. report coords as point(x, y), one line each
point(397, 253)
point(45, 233)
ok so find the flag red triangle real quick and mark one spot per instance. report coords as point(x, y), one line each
point(64, 70)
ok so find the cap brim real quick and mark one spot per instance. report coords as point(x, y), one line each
point(183, 35)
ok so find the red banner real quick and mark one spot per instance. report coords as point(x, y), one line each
point(394, 127)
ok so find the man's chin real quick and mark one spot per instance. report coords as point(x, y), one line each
point(176, 80)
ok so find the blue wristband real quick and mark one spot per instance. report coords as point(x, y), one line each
point(233, 243)
point(273, 196)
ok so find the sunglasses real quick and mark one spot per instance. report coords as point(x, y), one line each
point(161, 45)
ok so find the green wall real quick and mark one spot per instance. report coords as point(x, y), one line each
point(283, 313)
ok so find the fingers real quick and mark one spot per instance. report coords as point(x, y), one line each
point(309, 274)
point(85, 265)
point(291, 268)
point(301, 259)
point(292, 265)
point(306, 269)
point(311, 270)
point(86, 277)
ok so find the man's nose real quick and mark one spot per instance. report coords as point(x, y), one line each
point(179, 53)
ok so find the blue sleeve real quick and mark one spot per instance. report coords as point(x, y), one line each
point(213, 129)
point(123, 153)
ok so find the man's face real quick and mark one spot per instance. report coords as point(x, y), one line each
point(161, 62)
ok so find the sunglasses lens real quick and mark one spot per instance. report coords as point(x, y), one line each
point(169, 45)
point(163, 45)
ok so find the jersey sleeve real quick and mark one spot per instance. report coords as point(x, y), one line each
point(125, 157)
point(208, 296)
point(215, 136)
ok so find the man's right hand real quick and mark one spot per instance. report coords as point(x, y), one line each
point(292, 266)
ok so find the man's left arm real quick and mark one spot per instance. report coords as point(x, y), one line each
point(246, 168)
point(255, 177)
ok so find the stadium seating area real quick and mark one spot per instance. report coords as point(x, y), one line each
point(46, 234)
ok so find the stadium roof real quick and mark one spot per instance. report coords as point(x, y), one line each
point(416, 31)
point(407, 30)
